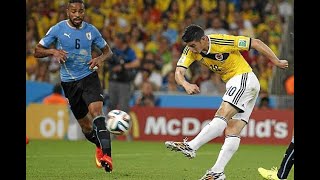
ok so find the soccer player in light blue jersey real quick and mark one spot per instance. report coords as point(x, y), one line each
point(73, 40)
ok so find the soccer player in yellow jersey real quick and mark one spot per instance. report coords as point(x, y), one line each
point(221, 54)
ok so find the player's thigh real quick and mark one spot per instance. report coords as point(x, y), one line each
point(245, 115)
point(242, 89)
point(73, 93)
point(92, 90)
point(226, 110)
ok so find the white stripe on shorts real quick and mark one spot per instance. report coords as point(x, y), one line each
point(243, 85)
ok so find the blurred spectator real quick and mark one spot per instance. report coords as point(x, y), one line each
point(263, 70)
point(170, 84)
point(168, 33)
point(135, 39)
point(289, 85)
point(108, 35)
point(195, 14)
point(171, 65)
point(96, 14)
point(42, 74)
point(213, 86)
point(122, 69)
point(32, 34)
point(155, 77)
point(245, 26)
point(54, 72)
point(41, 17)
point(56, 97)
point(285, 9)
point(163, 56)
point(264, 103)
point(175, 12)
point(216, 27)
point(31, 64)
point(203, 75)
point(146, 98)
point(224, 13)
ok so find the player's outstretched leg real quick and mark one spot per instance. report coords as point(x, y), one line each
point(181, 147)
point(91, 136)
point(210, 175)
point(103, 135)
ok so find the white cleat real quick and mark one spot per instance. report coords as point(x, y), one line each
point(210, 175)
point(181, 147)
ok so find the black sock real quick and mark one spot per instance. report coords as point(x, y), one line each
point(102, 134)
point(287, 162)
point(91, 136)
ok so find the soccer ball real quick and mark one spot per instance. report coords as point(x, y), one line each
point(118, 122)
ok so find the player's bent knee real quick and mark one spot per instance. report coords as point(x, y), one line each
point(232, 131)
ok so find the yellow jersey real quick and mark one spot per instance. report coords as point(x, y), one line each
point(223, 56)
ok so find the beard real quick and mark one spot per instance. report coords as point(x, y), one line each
point(76, 22)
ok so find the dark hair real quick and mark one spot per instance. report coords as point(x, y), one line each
point(264, 100)
point(192, 33)
point(76, 1)
point(122, 37)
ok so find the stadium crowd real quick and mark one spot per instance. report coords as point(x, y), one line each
point(153, 29)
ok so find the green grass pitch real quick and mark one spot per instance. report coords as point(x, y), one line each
point(74, 160)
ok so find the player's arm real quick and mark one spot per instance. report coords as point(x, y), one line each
point(41, 51)
point(184, 62)
point(180, 79)
point(266, 51)
point(42, 48)
point(106, 53)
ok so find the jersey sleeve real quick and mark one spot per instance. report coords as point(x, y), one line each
point(231, 43)
point(242, 43)
point(50, 37)
point(186, 58)
point(98, 40)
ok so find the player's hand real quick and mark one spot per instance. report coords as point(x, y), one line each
point(60, 55)
point(192, 89)
point(95, 63)
point(283, 64)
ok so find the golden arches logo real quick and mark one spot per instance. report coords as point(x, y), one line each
point(135, 125)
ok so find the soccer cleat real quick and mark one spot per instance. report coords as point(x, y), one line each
point(98, 156)
point(269, 174)
point(210, 175)
point(181, 147)
point(106, 162)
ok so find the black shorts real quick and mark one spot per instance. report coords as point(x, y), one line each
point(83, 92)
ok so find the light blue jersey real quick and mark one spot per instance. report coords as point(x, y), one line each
point(78, 43)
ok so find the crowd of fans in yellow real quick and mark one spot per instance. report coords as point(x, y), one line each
point(153, 29)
